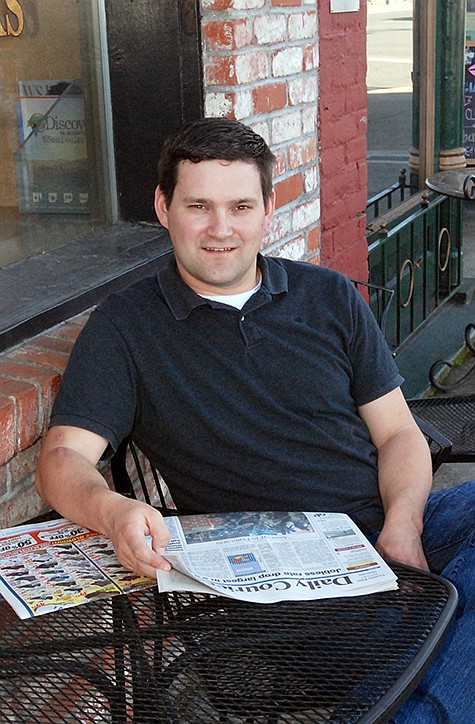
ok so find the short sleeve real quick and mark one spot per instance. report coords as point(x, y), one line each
point(375, 372)
point(98, 390)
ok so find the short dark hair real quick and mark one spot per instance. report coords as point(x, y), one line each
point(211, 139)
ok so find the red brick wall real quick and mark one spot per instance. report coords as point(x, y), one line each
point(260, 67)
point(29, 378)
point(342, 134)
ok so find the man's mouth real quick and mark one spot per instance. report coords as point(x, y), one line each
point(218, 248)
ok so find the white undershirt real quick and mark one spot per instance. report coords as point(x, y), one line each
point(234, 300)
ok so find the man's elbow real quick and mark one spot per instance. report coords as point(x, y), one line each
point(42, 477)
point(54, 462)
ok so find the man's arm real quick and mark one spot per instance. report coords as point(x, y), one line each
point(67, 479)
point(404, 476)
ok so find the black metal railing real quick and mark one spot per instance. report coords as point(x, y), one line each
point(416, 250)
point(390, 197)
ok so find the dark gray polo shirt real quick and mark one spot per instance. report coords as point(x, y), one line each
point(248, 409)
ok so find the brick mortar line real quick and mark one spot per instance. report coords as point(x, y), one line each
point(30, 363)
point(254, 48)
point(229, 14)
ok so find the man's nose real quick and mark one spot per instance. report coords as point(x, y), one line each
point(220, 225)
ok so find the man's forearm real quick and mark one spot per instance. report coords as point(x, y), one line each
point(73, 486)
point(405, 474)
point(405, 479)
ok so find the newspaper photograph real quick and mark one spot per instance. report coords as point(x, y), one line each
point(49, 566)
point(271, 556)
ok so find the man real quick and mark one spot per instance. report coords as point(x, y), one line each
point(252, 383)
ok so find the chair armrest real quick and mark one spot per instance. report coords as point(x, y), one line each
point(439, 445)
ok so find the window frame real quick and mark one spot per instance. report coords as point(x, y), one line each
point(58, 284)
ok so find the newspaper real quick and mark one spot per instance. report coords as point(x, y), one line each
point(261, 557)
point(268, 556)
point(49, 566)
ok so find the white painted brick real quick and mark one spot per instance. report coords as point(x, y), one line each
point(236, 4)
point(270, 29)
point(243, 105)
point(287, 62)
point(294, 249)
point(262, 129)
point(306, 215)
point(309, 119)
point(251, 67)
point(310, 179)
point(280, 227)
point(311, 57)
point(286, 127)
point(303, 90)
point(243, 34)
point(302, 25)
point(217, 105)
point(248, 4)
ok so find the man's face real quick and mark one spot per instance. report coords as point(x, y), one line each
point(216, 220)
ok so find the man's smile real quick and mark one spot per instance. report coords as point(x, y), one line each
point(219, 248)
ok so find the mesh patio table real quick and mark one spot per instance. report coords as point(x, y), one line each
point(150, 657)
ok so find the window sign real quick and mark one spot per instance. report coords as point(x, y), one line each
point(469, 103)
point(13, 21)
point(51, 164)
point(57, 171)
point(469, 86)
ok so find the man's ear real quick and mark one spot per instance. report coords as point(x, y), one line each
point(269, 209)
point(160, 207)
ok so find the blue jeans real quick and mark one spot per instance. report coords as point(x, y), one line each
point(446, 694)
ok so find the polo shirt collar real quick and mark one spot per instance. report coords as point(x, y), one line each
point(181, 299)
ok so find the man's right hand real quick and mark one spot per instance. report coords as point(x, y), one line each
point(128, 524)
point(68, 480)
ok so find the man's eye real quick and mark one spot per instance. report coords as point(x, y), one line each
point(243, 207)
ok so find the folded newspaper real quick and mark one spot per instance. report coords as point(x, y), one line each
point(271, 556)
point(52, 565)
point(261, 557)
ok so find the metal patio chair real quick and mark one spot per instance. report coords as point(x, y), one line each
point(453, 417)
point(380, 299)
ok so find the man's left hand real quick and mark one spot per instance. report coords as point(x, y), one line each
point(402, 544)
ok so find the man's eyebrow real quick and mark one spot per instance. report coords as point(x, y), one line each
point(195, 200)
point(237, 202)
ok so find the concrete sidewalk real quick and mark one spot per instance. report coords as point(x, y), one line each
point(385, 6)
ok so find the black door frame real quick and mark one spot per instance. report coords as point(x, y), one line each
point(156, 85)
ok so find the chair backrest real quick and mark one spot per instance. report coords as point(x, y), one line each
point(143, 482)
point(380, 299)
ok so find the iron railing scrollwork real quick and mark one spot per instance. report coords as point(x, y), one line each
point(436, 370)
point(443, 233)
point(407, 264)
point(416, 249)
point(469, 187)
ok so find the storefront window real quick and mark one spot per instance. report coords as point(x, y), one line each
point(56, 175)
